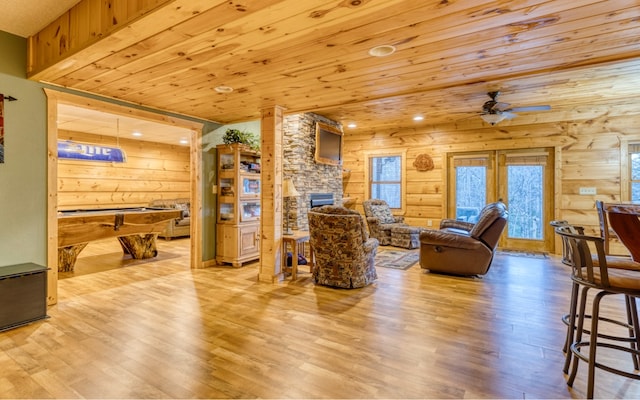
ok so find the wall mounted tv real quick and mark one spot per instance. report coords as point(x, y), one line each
point(328, 144)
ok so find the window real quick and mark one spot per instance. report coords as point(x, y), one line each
point(385, 177)
point(634, 171)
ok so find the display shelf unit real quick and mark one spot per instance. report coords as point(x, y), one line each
point(238, 219)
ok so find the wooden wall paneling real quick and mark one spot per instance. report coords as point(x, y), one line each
point(83, 170)
point(587, 152)
point(86, 184)
point(152, 171)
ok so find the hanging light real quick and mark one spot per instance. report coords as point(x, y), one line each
point(493, 118)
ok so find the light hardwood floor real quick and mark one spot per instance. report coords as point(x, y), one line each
point(156, 329)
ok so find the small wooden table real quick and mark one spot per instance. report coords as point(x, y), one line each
point(623, 219)
point(297, 241)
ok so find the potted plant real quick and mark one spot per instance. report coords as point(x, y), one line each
point(232, 136)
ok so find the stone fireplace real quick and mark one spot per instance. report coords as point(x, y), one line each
point(309, 177)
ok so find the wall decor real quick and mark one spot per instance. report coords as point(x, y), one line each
point(89, 152)
point(2, 98)
point(423, 162)
point(1, 128)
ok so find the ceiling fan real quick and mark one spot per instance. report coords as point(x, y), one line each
point(494, 111)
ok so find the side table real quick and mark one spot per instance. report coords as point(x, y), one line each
point(297, 242)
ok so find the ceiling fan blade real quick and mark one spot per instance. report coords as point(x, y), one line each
point(509, 115)
point(500, 106)
point(530, 108)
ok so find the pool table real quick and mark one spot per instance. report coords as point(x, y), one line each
point(136, 230)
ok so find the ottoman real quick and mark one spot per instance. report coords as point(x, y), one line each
point(406, 236)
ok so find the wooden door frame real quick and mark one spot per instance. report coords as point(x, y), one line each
point(492, 177)
point(549, 197)
point(495, 193)
point(195, 165)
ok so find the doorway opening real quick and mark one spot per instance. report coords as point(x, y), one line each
point(133, 187)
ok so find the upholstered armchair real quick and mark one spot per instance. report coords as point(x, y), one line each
point(344, 253)
point(180, 226)
point(463, 248)
point(380, 220)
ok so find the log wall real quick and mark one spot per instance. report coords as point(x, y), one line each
point(588, 154)
point(152, 171)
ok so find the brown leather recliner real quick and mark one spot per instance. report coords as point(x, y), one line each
point(463, 248)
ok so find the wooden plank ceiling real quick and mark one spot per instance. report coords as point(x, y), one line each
point(581, 57)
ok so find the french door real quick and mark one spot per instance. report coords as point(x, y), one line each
point(522, 179)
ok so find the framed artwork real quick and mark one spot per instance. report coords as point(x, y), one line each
point(1, 129)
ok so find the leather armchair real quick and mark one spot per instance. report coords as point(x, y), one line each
point(344, 254)
point(463, 248)
point(380, 220)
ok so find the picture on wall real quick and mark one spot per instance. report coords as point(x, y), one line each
point(1, 129)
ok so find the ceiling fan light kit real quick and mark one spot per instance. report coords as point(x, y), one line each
point(492, 118)
point(494, 111)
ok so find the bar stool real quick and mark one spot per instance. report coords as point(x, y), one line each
point(570, 318)
point(592, 272)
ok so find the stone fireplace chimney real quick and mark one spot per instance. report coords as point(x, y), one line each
point(299, 145)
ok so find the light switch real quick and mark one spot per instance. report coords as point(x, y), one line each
point(587, 190)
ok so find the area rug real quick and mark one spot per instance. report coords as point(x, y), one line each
point(519, 253)
point(397, 259)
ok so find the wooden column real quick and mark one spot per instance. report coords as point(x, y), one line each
point(271, 196)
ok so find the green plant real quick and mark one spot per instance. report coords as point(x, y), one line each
point(237, 136)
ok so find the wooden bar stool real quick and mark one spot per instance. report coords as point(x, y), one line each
point(570, 318)
point(592, 272)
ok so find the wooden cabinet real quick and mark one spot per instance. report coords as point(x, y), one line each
point(238, 220)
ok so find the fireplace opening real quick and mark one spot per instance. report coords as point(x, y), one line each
point(321, 199)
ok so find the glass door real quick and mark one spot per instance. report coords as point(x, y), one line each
point(527, 184)
point(522, 179)
point(473, 177)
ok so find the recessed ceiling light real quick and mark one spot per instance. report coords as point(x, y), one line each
point(351, 125)
point(223, 89)
point(418, 118)
point(381, 51)
point(136, 134)
point(184, 141)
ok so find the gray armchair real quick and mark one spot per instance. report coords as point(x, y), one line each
point(343, 251)
point(180, 226)
point(380, 220)
point(463, 248)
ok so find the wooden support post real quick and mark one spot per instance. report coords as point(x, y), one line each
point(271, 218)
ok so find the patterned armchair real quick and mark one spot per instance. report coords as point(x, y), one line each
point(344, 253)
point(380, 220)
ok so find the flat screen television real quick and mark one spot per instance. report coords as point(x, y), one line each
point(328, 144)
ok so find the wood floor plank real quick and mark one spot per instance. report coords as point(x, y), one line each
point(156, 329)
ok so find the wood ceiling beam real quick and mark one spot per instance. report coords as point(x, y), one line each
point(70, 42)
